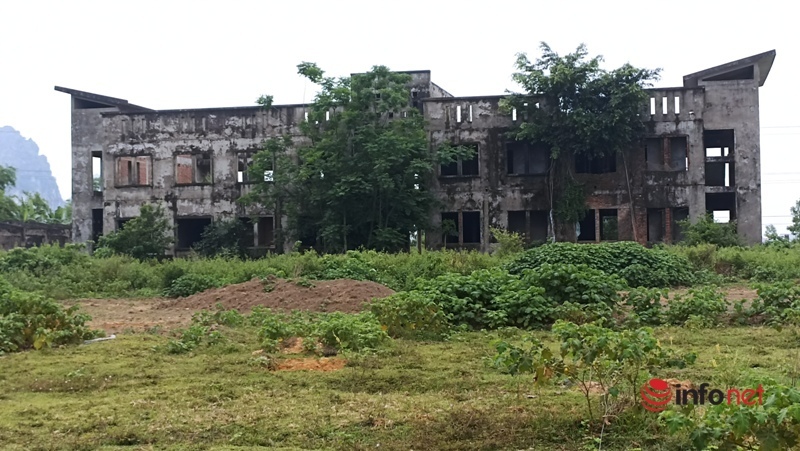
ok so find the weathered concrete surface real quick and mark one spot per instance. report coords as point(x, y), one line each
point(18, 234)
point(189, 162)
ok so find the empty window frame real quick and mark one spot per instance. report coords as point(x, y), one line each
point(133, 171)
point(667, 153)
point(97, 172)
point(722, 206)
point(244, 173)
point(679, 214)
point(587, 230)
point(531, 224)
point(461, 227)
point(193, 169)
point(523, 158)
point(190, 231)
point(598, 165)
point(679, 153)
point(609, 229)
point(656, 225)
point(97, 223)
point(463, 166)
point(718, 143)
point(260, 231)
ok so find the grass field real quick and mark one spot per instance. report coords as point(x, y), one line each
point(424, 396)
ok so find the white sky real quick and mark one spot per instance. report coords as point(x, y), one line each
point(193, 54)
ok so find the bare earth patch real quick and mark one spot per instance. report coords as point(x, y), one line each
point(342, 295)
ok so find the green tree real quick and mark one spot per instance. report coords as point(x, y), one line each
point(794, 229)
point(576, 109)
point(360, 182)
point(143, 237)
point(8, 177)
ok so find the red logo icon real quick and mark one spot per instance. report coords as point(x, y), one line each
point(656, 394)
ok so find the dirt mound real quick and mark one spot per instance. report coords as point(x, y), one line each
point(342, 295)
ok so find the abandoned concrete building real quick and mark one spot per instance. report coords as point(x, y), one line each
point(701, 155)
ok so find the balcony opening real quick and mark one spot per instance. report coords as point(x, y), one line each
point(190, 231)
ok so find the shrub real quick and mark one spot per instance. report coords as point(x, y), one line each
point(706, 304)
point(142, 237)
point(776, 301)
point(638, 265)
point(706, 231)
point(359, 332)
point(42, 260)
point(220, 316)
point(580, 284)
point(646, 304)
point(411, 314)
point(32, 321)
point(525, 305)
point(190, 284)
point(774, 425)
point(193, 337)
point(510, 243)
point(226, 238)
point(472, 299)
point(591, 356)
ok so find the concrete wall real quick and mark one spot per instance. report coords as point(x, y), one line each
point(18, 234)
point(652, 187)
point(637, 190)
point(162, 137)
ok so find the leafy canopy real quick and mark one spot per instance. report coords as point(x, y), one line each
point(574, 106)
point(358, 178)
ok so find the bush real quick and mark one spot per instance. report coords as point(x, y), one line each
point(359, 332)
point(510, 243)
point(703, 306)
point(580, 284)
point(774, 425)
point(471, 299)
point(638, 265)
point(43, 260)
point(142, 237)
point(411, 314)
point(190, 284)
point(32, 321)
point(226, 238)
point(706, 231)
point(646, 304)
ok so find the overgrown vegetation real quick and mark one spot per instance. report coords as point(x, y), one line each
point(30, 321)
point(143, 237)
point(30, 207)
point(576, 109)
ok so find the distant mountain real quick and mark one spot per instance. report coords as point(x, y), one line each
point(33, 170)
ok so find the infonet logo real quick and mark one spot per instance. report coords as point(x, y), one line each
point(657, 393)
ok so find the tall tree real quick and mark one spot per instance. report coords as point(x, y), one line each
point(8, 177)
point(576, 108)
point(794, 229)
point(360, 179)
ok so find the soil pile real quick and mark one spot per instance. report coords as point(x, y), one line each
point(342, 295)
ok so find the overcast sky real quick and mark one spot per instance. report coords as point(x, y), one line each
point(193, 54)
